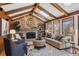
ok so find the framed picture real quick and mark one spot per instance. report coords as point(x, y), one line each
point(56, 27)
point(4, 27)
point(67, 23)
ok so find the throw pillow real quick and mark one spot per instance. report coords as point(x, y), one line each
point(58, 37)
point(17, 36)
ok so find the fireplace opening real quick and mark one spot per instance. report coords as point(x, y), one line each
point(30, 35)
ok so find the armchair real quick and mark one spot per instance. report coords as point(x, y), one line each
point(17, 48)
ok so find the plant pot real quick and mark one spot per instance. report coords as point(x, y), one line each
point(39, 43)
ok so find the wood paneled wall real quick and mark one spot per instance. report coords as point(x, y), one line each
point(2, 50)
point(4, 16)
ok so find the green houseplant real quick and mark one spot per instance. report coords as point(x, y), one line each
point(39, 42)
point(16, 25)
point(39, 34)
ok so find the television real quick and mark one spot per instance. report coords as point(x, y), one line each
point(4, 27)
point(31, 35)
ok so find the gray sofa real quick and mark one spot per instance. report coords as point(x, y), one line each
point(15, 48)
point(18, 49)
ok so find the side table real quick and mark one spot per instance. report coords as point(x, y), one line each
point(72, 47)
point(73, 50)
point(30, 47)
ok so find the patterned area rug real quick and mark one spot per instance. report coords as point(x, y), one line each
point(50, 51)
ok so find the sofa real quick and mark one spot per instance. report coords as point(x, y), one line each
point(17, 48)
point(58, 42)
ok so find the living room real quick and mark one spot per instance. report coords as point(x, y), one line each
point(39, 29)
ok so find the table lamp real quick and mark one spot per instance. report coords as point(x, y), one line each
point(12, 32)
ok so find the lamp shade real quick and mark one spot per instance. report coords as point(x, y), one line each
point(46, 30)
point(12, 31)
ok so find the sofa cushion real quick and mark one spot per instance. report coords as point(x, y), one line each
point(49, 35)
point(17, 36)
point(58, 37)
point(19, 41)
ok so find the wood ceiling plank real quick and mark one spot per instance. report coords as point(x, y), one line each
point(50, 20)
point(41, 16)
point(59, 8)
point(20, 14)
point(19, 9)
point(3, 4)
point(42, 9)
point(38, 18)
point(20, 17)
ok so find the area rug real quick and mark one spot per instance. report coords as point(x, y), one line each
point(50, 51)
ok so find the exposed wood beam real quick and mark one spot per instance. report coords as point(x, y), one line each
point(19, 9)
point(41, 16)
point(20, 14)
point(50, 20)
point(60, 8)
point(47, 12)
point(3, 4)
point(20, 17)
point(35, 7)
point(38, 18)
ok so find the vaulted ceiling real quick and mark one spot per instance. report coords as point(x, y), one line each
point(43, 11)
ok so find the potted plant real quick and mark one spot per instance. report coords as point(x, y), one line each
point(16, 26)
point(39, 35)
point(39, 42)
